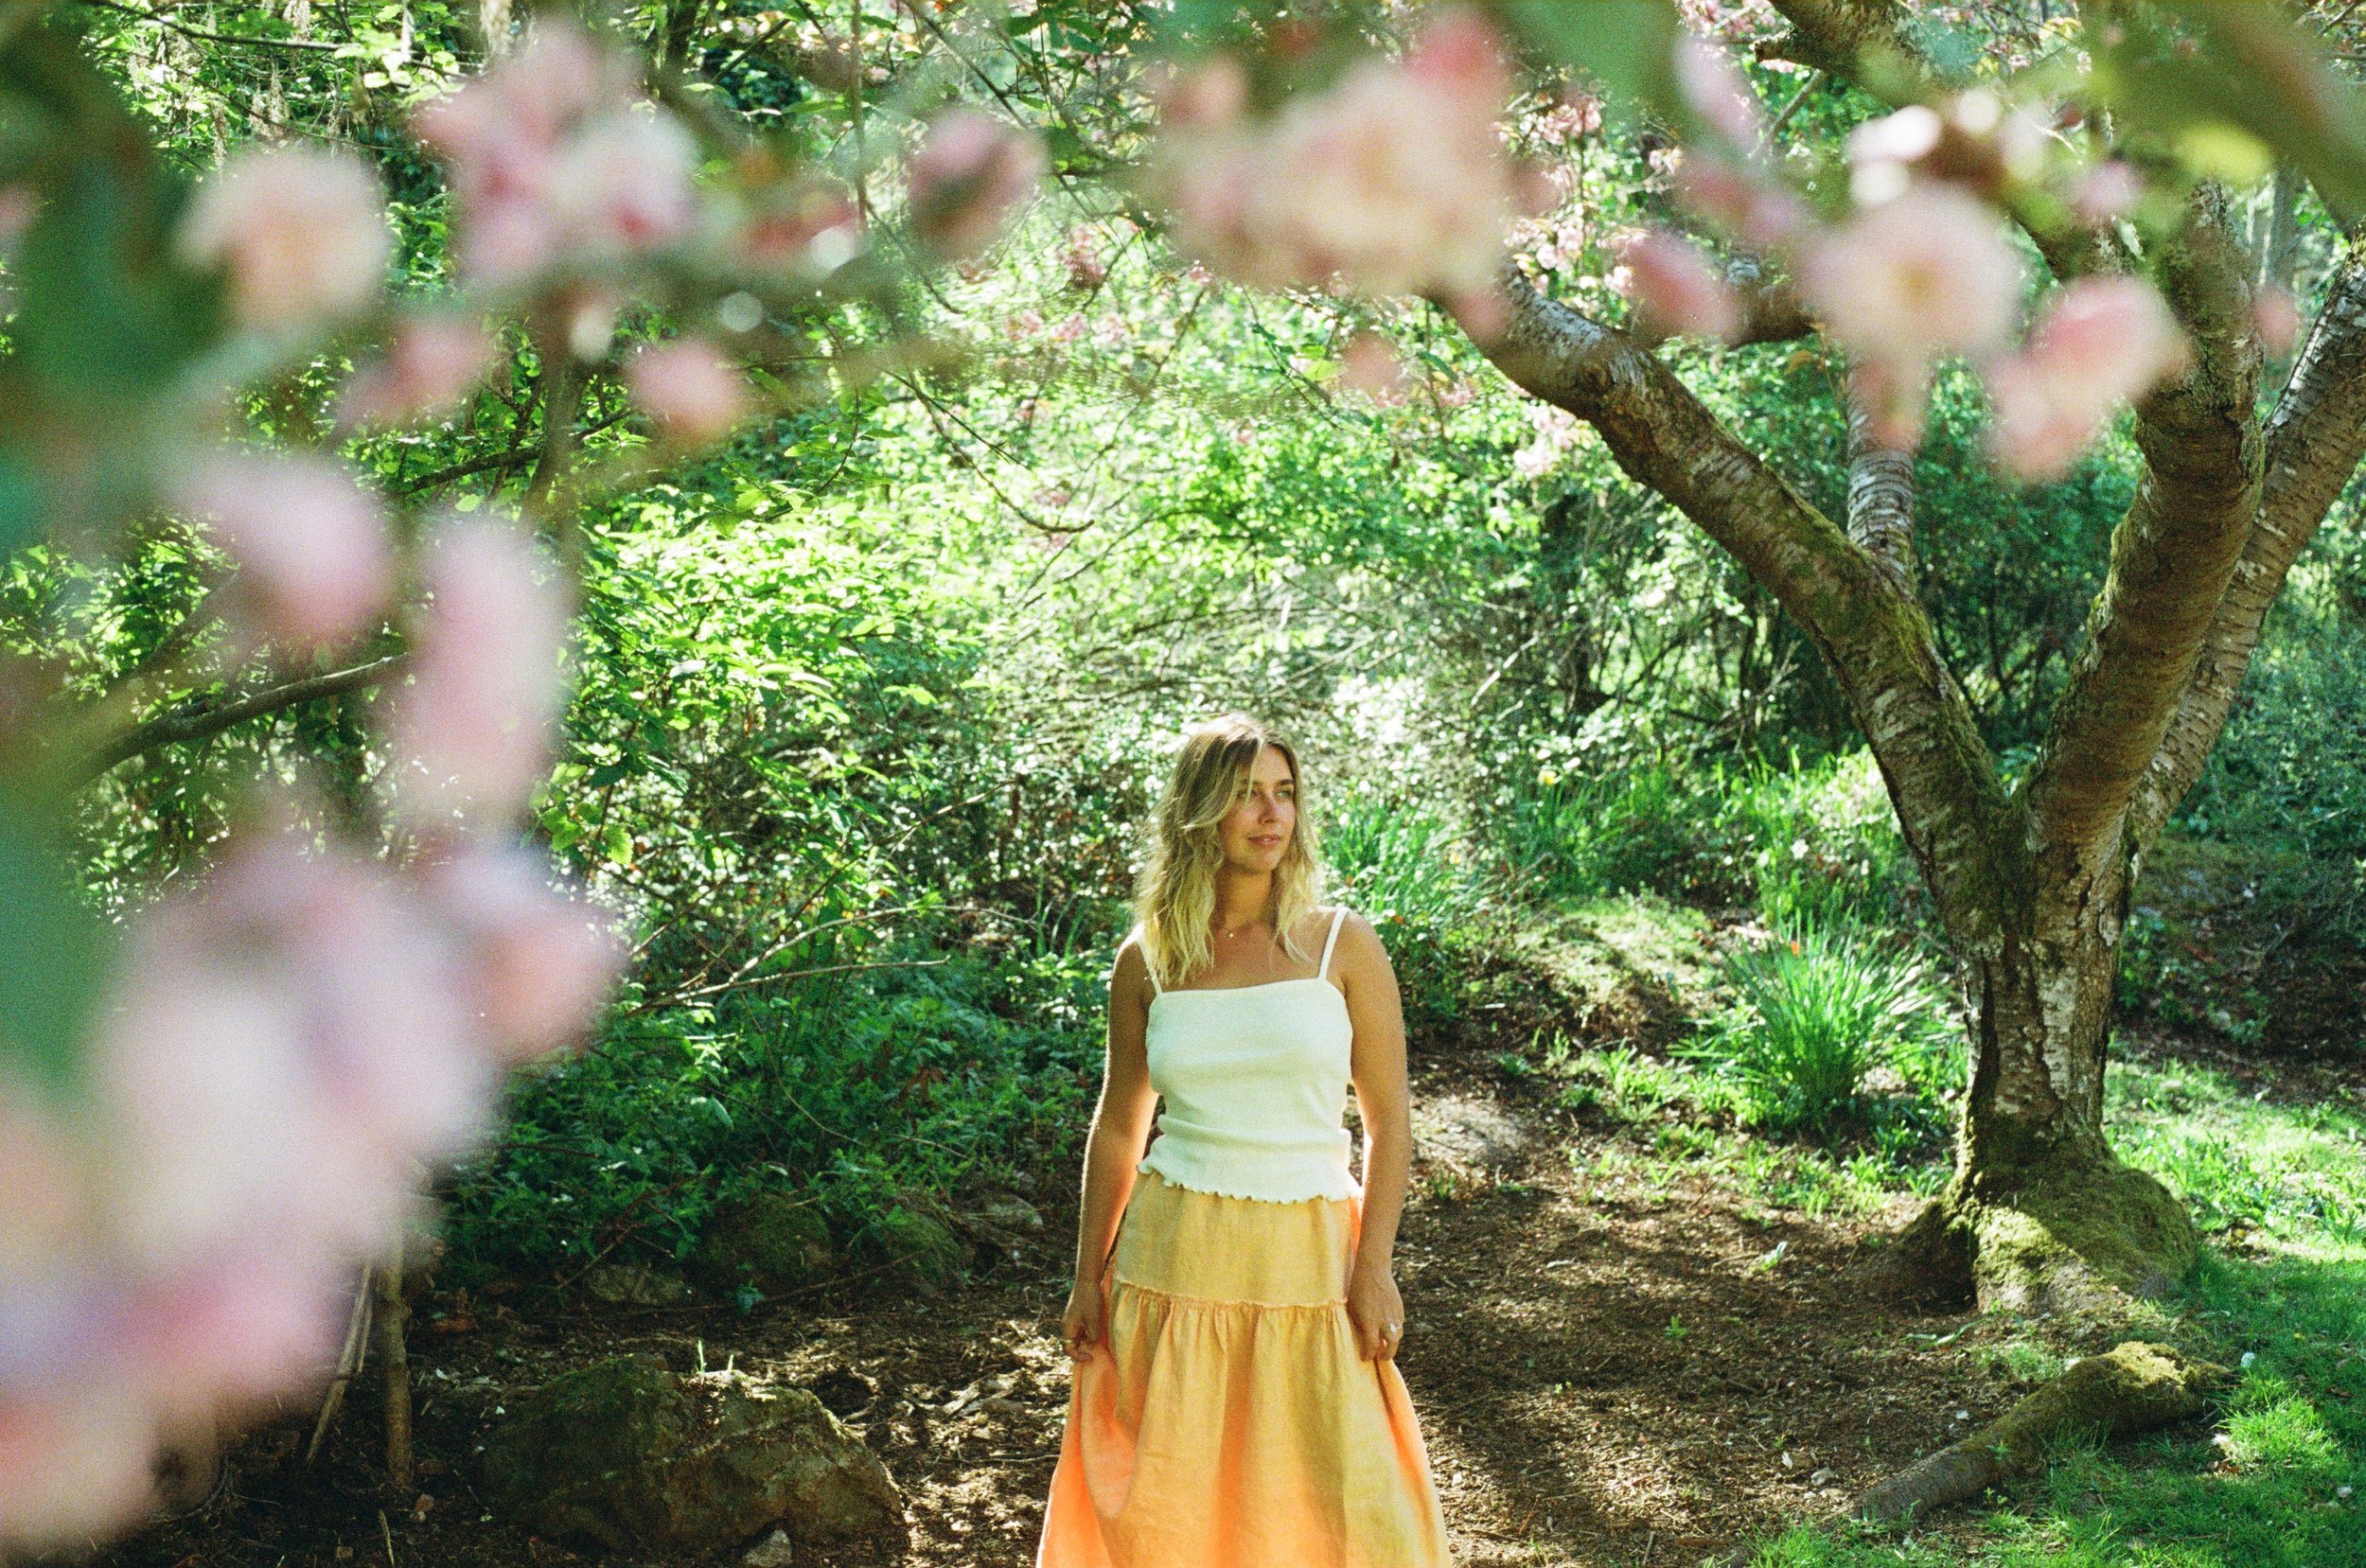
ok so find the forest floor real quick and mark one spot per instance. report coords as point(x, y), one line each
point(1620, 1354)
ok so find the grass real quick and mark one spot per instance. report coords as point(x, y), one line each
point(2276, 1480)
point(2280, 1295)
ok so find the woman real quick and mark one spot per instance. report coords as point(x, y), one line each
point(1235, 1399)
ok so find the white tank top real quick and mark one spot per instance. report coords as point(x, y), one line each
point(1255, 1079)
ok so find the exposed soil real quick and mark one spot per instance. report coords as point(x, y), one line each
point(1606, 1373)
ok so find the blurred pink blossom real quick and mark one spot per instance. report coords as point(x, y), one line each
point(538, 961)
point(471, 733)
point(970, 172)
point(1674, 287)
point(75, 1463)
point(1748, 202)
point(2276, 317)
point(285, 1044)
point(1897, 285)
point(621, 182)
point(1085, 270)
point(1394, 179)
point(817, 228)
point(1213, 92)
point(433, 358)
point(550, 159)
point(314, 562)
point(2099, 342)
point(694, 391)
point(1575, 116)
point(1370, 366)
point(1556, 430)
point(1717, 91)
point(302, 231)
point(231, 1331)
point(2105, 191)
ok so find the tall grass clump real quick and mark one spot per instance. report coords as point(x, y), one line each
point(1812, 1013)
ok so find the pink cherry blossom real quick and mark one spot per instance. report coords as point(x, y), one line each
point(692, 388)
point(75, 1463)
point(1927, 274)
point(621, 182)
point(233, 1330)
point(552, 160)
point(1394, 180)
point(302, 231)
point(539, 961)
point(1215, 92)
point(433, 358)
point(1716, 90)
point(971, 171)
point(1746, 201)
point(2276, 317)
point(1368, 364)
point(284, 1045)
point(1903, 136)
point(2106, 191)
point(1085, 270)
point(1674, 287)
point(315, 561)
point(2099, 342)
point(472, 734)
point(817, 228)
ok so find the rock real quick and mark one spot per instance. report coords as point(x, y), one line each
point(1010, 1211)
point(774, 1551)
point(630, 1285)
point(776, 1241)
point(916, 1244)
point(627, 1457)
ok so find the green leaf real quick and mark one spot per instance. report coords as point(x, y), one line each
point(1627, 46)
point(51, 953)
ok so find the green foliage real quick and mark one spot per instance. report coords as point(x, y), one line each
point(1401, 865)
point(1811, 1012)
point(927, 1077)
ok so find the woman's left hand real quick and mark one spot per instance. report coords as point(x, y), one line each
point(1376, 1310)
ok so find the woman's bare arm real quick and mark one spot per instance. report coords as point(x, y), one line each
point(1122, 1121)
point(1382, 1097)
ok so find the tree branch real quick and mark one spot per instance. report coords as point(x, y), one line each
point(1881, 500)
point(1875, 638)
point(2313, 443)
point(2173, 552)
point(1834, 35)
point(182, 726)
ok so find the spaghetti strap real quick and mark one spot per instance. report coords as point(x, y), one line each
point(1149, 969)
point(1328, 942)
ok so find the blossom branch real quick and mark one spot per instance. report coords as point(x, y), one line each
point(1877, 640)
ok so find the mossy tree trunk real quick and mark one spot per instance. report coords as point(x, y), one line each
point(2031, 882)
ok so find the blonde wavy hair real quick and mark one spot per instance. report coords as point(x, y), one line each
point(1176, 897)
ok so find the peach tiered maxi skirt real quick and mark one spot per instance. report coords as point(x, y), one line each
point(1228, 1422)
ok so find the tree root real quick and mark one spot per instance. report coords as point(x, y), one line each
point(2083, 1238)
point(2134, 1386)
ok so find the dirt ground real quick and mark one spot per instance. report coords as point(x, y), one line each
point(1607, 1373)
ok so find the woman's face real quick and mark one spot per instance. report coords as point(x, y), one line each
point(1257, 830)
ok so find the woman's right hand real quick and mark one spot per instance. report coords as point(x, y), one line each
point(1085, 1323)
